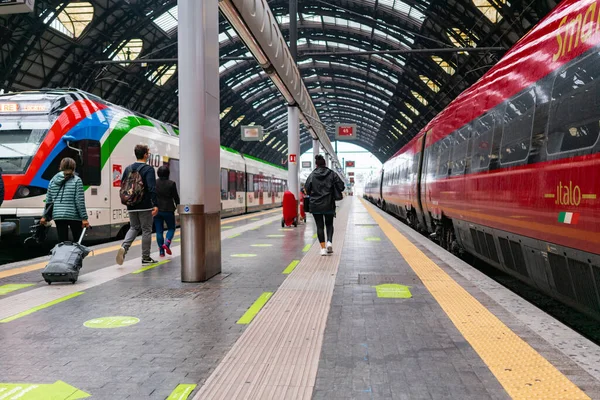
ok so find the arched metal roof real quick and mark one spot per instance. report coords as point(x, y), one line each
point(389, 96)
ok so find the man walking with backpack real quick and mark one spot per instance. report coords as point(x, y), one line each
point(138, 193)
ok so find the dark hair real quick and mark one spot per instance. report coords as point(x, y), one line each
point(163, 172)
point(140, 151)
point(67, 166)
point(320, 161)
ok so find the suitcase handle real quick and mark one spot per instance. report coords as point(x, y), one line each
point(82, 235)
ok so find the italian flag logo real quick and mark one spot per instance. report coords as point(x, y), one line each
point(568, 218)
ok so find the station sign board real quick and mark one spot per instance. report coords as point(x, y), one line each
point(350, 173)
point(351, 179)
point(306, 164)
point(16, 6)
point(345, 131)
point(251, 133)
point(350, 164)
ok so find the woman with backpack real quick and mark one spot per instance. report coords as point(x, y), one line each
point(321, 187)
point(66, 202)
point(168, 200)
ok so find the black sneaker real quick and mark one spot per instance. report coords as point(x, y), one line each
point(148, 261)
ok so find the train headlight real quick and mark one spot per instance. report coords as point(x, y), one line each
point(29, 191)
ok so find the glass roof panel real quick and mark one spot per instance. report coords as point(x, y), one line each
point(431, 84)
point(224, 113)
point(420, 98)
point(397, 130)
point(409, 119)
point(167, 22)
point(128, 50)
point(411, 108)
point(461, 39)
point(489, 10)
point(237, 121)
point(444, 64)
point(165, 72)
point(73, 20)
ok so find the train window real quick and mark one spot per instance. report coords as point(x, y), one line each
point(89, 165)
point(574, 122)
point(232, 183)
point(249, 182)
point(459, 150)
point(517, 127)
point(241, 184)
point(256, 185)
point(483, 132)
point(224, 184)
point(444, 151)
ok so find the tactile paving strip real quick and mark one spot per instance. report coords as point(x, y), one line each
point(521, 370)
point(277, 356)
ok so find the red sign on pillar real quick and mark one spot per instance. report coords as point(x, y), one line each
point(292, 159)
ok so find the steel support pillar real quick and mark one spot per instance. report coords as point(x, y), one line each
point(199, 152)
point(316, 146)
point(293, 150)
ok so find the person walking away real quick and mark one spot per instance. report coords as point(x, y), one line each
point(168, 200)
point(138, 193)
point(65, 192)
point(320, 187)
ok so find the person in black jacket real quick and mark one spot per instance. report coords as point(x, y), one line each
point(320, 186)
point(140, 215)
point(168, 200)
point(1, 188)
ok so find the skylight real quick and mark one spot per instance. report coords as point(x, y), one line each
point(409, 119)
point(224, 113)
point(167, 22)
point(165, 72)
point(128, 50)
point(237, 121)
point(444, 64)
point(489, 10)
point(401, 123)
point(411, 108)
point(420, 98)
point(431, 84)
point(464, 40)
point(73, 20)
point(397, 130)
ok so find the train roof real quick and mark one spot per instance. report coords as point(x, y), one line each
point(539, 53)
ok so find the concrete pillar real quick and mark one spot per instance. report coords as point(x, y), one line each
point(293, 150)
point(199, 141)
point(316, 146)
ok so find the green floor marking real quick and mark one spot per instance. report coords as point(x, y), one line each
point(181, 392)
point(11, 287)
point(291, 267)
point(139, 271)
point(177, 240)
point(226, 226)
point(255, 308)
point(254, 219)
point(373, 239)
point(234, 235)
point(38, 308)
point(306, 248)
point(275, 236)
point(393, 291)
point(111, 322)
point(59, 390)
point(314, 236)
point(243, 255)
point(261, 245)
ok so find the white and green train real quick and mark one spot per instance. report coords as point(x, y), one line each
point(39, 128)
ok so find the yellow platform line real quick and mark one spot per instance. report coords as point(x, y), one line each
point(521, 370)
point(40, 307)
point(254, 308)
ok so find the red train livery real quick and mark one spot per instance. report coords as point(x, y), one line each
point(510, 170)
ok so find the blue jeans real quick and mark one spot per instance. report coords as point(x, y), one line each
point(159, 220)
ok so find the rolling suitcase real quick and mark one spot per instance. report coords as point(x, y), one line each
point(65, 261)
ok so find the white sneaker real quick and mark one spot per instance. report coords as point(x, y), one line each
point(323, 252)
point(329, 248)
point(121, 256)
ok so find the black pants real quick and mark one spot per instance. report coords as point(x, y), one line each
point(62, 226)
point(323, 220)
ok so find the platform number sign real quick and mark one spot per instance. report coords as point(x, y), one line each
point(292, 159)
point(345, 131)
point(350, 164)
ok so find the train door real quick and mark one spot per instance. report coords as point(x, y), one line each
point(97, 196)
point(416, 197)
point(261, 186)
point(119, 216)
point(272, 184)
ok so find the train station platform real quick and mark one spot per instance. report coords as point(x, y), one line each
point(389, 315)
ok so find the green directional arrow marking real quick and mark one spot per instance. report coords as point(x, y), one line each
point(59, 390)
point(11, 287)
point(181, 392)
point(393, 291)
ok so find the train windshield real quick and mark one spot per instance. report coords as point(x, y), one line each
point(20, 139)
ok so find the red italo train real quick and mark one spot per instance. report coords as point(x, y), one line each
point(510, 171)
